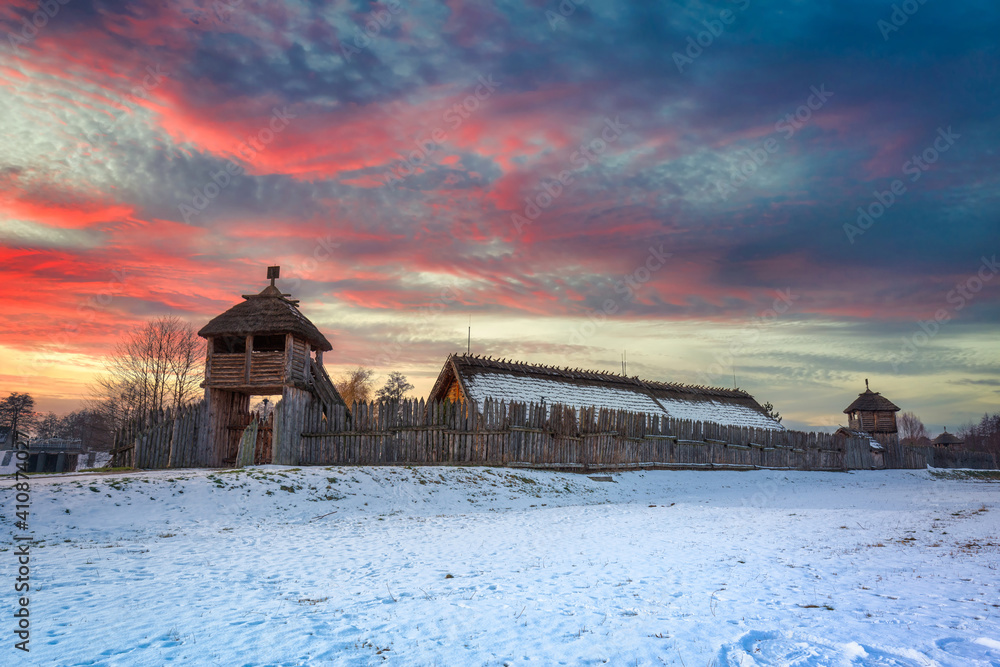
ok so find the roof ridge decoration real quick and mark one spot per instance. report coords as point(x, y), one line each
point(577, 373)
point(268, 312)
point(871, 401)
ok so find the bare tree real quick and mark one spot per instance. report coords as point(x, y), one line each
point(18, 412)
point(911, 429)
point(395, 389)
point(89, 427)
point(47, 426)
point(984, 436)
point(356, 386)
point(155, 366)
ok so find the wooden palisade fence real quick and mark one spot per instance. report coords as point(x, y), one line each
point(164, 439)
point(412, 432)
point(539, 436)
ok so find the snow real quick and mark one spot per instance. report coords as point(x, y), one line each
point(872, 442)
point(101, 459)
point(502, 387)
point(718, 412)
point(483, 566)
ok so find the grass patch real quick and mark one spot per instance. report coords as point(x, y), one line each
point(974, 475)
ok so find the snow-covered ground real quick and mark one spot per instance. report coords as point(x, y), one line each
point(479, 566)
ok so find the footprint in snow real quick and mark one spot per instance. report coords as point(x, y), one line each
point(759, 648)
point(982, 651)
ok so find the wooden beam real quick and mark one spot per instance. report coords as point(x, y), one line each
point(305, 370)
point(249, 354)
point(209, 348)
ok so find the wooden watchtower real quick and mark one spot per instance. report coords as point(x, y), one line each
point(261, 347)
point(872, 413)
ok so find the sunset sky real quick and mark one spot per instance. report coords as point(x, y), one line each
point(678, 180)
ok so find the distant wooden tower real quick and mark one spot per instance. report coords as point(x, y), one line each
point(872, 413)
point(261, 347)
point(947, 440)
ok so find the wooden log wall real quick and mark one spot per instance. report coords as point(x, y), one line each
point(307, 432)
point(518, 434)
point(858, 455)
point(290, 419)
point(299, 355)
point(163, 439)
point(267, 368)
point(228, 369)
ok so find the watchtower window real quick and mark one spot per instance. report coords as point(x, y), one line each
point(269, 343)
point(229, 345)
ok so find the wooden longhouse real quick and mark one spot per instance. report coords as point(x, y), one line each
point(261, 347)
point(467, 377)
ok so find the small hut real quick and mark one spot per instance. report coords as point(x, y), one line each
point(872, 413)
point(261, 347)
point(947, 440)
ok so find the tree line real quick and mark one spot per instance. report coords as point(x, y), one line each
point(981, 436)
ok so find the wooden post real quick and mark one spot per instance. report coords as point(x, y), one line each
point(246, 364)
point(209, 347)
point(289, 347)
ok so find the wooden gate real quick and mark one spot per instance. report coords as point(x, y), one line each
point(262, 450)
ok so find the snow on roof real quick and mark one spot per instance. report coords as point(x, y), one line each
point(527, 383)
point(718, 412)
point(503, 387)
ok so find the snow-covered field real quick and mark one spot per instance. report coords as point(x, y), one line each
point(479, 566)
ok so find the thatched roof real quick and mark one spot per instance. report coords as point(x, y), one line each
point(947, 439)
point(269, 312)
point(502, 380)
point(871, 401)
